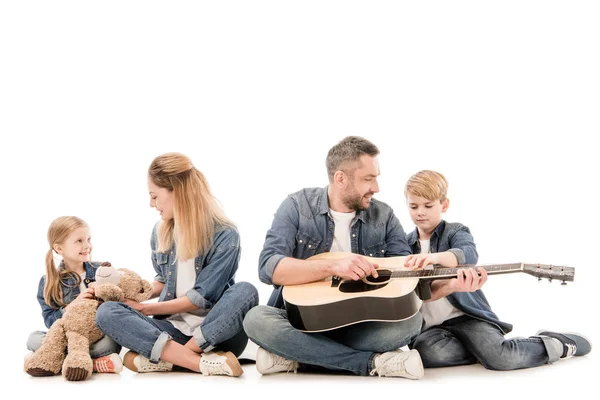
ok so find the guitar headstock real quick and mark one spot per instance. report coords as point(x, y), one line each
point(561, 273)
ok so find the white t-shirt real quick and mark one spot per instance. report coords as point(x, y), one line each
point(82, 287)
point(186, 278)
point(341, 235)
point(437, 311)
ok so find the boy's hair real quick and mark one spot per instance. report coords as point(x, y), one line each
point(58, 232)
point(428, 184)
point(347, 152)
point(195, 210)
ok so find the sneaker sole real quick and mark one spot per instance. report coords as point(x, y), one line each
point(421, 370)
point(232, 362)
point(128, 361)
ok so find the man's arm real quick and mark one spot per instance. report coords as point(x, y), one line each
point(278, 267)
point(292, 271)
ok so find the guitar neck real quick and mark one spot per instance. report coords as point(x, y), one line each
point(448, 273)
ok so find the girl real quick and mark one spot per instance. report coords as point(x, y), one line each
point(195, 252)
point(68, 284)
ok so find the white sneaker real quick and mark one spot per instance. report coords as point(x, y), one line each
point(108, 364)
point(403, 364)
point(139, 363)
point(220, 363)
point(269, 363)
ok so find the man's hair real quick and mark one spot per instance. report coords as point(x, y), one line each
point(428, 184)
point(346, 154)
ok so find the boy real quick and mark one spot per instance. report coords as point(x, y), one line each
point(459, 326)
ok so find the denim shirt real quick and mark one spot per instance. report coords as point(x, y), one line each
point(457, 239)
point(70, 290)
point(215, 269)
point(302, 227)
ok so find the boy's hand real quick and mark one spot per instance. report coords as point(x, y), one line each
point(446, 259)
point(415, 261)
point(468, 280)
point(354, 267)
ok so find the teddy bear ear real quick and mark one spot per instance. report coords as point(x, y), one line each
point(127, 271)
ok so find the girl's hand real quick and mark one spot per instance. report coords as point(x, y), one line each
point(85, 294)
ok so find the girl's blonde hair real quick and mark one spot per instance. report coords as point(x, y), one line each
point(195, 210)
point(428, 184)
point(58, 232)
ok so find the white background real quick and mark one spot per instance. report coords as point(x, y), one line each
point(502, 98)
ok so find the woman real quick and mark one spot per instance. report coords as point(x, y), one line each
point(197, 321)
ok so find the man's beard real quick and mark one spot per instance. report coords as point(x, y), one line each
point(353, 202)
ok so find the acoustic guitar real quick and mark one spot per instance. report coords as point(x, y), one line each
point(334, 303)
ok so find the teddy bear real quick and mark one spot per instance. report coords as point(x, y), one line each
point(73, 333)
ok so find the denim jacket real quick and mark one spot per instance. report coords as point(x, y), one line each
point(457, 239)
point(215, 269)
point(302, 227)
point(70, 289)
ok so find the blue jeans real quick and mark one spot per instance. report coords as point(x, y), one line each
point(101, 348)
point(349, 349)
point(465, 340)
point(222, 327)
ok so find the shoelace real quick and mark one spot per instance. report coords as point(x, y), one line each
point(103, 365)
point(387, 368)
point(147, 366)
point(208, 367)
point(571, 350)
point(289, 365)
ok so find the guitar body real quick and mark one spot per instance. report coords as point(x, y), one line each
point(321, 306)
point(325, 305)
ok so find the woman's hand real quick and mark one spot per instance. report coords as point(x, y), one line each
point(137, 306)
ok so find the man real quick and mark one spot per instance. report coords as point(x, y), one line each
point(341, 217)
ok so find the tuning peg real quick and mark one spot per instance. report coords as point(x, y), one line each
point(564, 283)
point(550, 280)
point(539, 278)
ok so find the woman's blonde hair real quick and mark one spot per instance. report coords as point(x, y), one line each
point(195, 210)
point(428, 184)
point(58, 232)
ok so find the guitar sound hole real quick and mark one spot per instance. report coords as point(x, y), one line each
point(383, 276)
point(358, 286)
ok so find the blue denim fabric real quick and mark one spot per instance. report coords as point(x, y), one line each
point(457, 238)
point(215, 269)
point(101, 348)
point(302, 227)
point(70, 289)
point(222, 327)
point(465, 340)
point(350, 349)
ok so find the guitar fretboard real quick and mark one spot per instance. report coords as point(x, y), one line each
point(447, 273)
